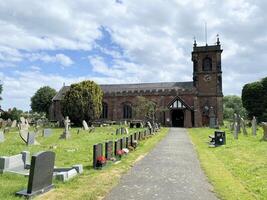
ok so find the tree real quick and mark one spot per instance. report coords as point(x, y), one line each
point(144, 108)
point(254, 99)
point(13, 114)
point(42, 99)
point(83, 102)
point(233, 104)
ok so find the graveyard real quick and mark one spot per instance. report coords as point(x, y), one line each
point(78, 149)
point(238, 169)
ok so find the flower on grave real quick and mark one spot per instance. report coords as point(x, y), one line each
point(120, 152)
point(101, 160)
point(126, 151)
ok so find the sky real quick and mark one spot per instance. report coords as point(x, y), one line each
point(57, 42)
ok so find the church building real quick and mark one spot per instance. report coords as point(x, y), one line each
point(181, 104)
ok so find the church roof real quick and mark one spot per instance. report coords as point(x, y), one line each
point(120, 88)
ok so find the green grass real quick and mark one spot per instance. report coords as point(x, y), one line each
point(238, 170)
point(92, 184)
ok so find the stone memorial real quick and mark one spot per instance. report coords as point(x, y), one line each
point(212, 118)
point(97, 152)
point(243, 126)
point(66, 173)
point(85, 125)
point(2, 137)
point(117, 147)
point(66, 133)
point(109, 150)
point(118, 131)
point(15, 164)
point(14, 124)
point(31, 139)
point(264, 127)
point(254, 126)
point(47, 132)
point(122, 130)
point(126, 131)
point(41, 174)
point(236, 130)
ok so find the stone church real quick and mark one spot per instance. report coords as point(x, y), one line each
point(181, 104)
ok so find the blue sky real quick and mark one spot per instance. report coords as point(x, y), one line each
point(56, 42)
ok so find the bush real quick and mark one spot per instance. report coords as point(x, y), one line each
point(233, 104)
point(83, 102)
point(13, 114)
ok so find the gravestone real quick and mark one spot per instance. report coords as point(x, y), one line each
point(117, 147)
point(109, 150)
point(238, 123)
point(219, 138)
point(131, 140)
point(122, 130)
point(236, 130)
point(47, 132)
point(85, 125)
point(66, 133)
point(212, 118)
point(2, 137)
point(31, 139)
point(41, 174)
point(264, 127)
point(9, 122)
point(97, 152)
point(127, 140)
point(135, 136)
point(123, 143)
point(254, 126)
point(126, 131)
point(23, 135)
point(14, 124)
point(118, 131)
point(243, 126)
point(139, 135)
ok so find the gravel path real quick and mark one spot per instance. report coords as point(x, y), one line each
point(170, 171)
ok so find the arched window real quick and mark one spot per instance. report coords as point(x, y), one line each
point(127, 111)
point(177, 104)
point(207, 64)
point(104, 110)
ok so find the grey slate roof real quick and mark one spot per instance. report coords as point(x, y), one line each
point(110, 88)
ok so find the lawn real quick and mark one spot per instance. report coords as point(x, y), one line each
point(92, 184)
point(238, 170)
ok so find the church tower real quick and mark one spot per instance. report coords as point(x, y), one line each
point(207, 79)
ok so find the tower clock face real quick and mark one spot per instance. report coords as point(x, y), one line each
point(207, 78)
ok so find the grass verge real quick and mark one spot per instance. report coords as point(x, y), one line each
point(237, 170)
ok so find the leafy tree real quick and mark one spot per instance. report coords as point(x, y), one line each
point(144, 108)
point(253, 95)
point(83, 102)
point(13, 114)
point(233, 104)
point(42, 99)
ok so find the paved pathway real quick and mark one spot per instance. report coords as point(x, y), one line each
point(170, 171)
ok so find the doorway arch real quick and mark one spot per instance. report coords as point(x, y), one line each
point(177, 118)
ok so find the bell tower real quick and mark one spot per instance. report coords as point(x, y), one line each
point(207, 79)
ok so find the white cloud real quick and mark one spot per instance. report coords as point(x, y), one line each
point(155, 37)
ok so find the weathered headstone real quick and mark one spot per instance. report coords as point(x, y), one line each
point(97, 152)
point(254, 126)
point(243, 126)
point(14, 124)
point(2, 137)
point(122, 130)
point(85, 125)
point(236, 131)
point(212, 118)
point(131, 140)
point(126, 131)
point(23, 135)
point(238, 123)
point(31, 139)
point(47, 132)
point(109, 150)
point(135, 136)
point(264, 127)
point(41, 174)
point(66, 133)
point(118, 131)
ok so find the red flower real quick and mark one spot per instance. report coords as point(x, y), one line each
point(120, 152)
point(101, 160)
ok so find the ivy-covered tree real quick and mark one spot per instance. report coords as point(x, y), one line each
point(83, 102)
point(254, 99)
point(144, 108)
point(42, 99)
point(233, 104)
